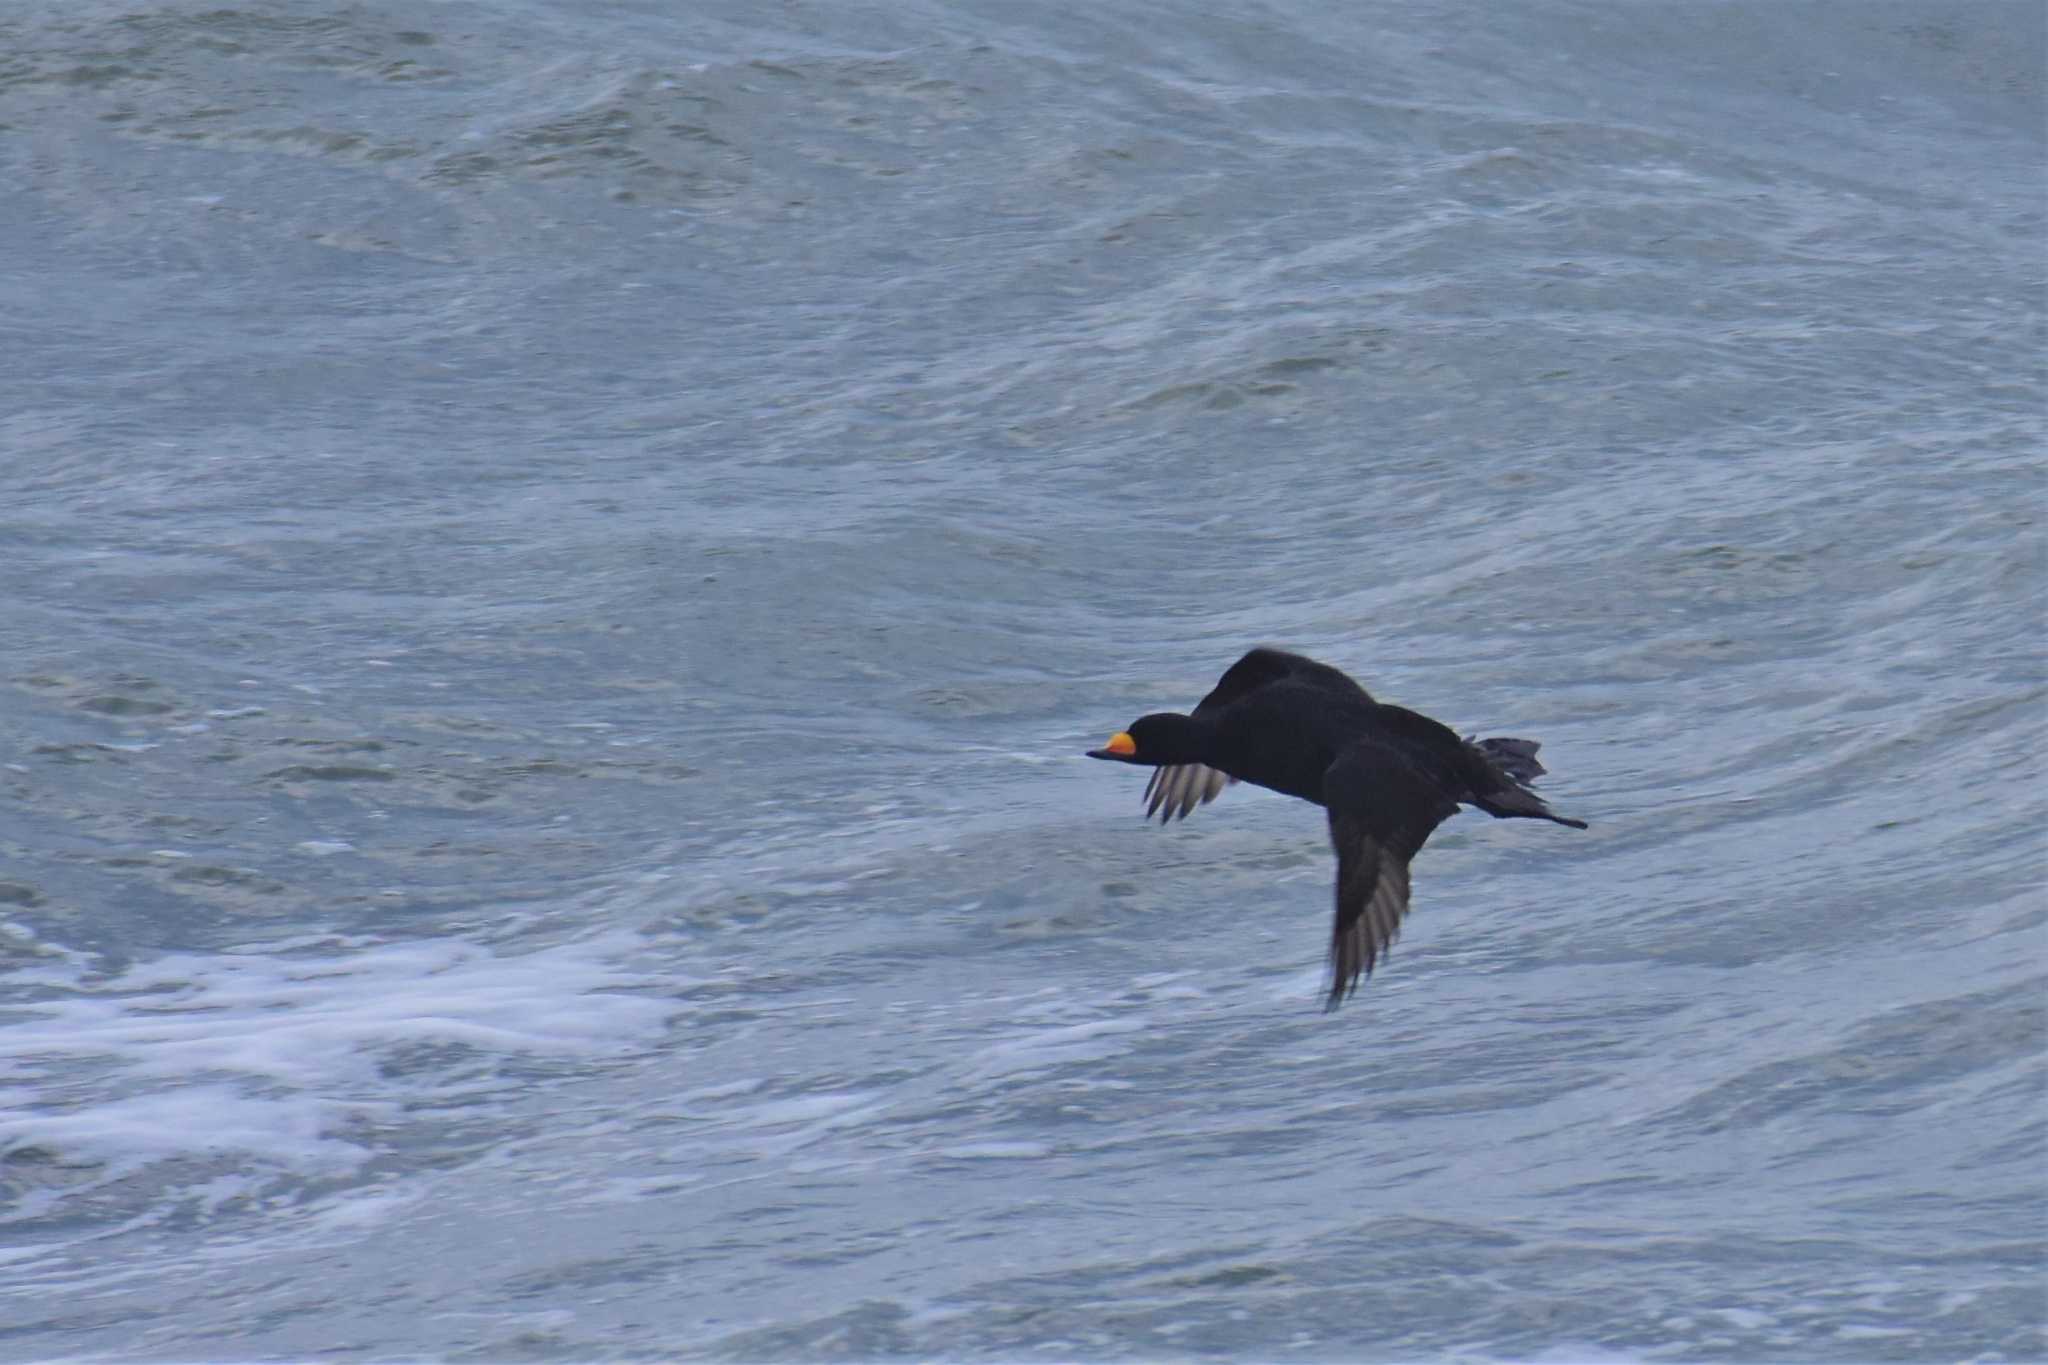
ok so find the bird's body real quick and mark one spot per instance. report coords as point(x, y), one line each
point(1387, 777)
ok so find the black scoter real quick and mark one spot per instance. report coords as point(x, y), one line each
point(1386, 775)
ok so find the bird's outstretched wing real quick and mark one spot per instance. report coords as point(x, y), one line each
point(1383, 808)
point(1263, 666)
point(1178, 788)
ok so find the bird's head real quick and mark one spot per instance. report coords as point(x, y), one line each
point(1156, 741)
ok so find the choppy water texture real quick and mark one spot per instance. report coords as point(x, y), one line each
point(559, 560)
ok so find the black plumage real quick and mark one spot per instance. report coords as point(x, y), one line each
point(1387, 777)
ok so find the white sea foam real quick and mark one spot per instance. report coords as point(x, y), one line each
point(282, 1053)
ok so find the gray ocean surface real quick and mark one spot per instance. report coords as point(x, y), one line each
point(557, 562)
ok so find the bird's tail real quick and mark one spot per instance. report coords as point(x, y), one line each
point(1515, 761)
